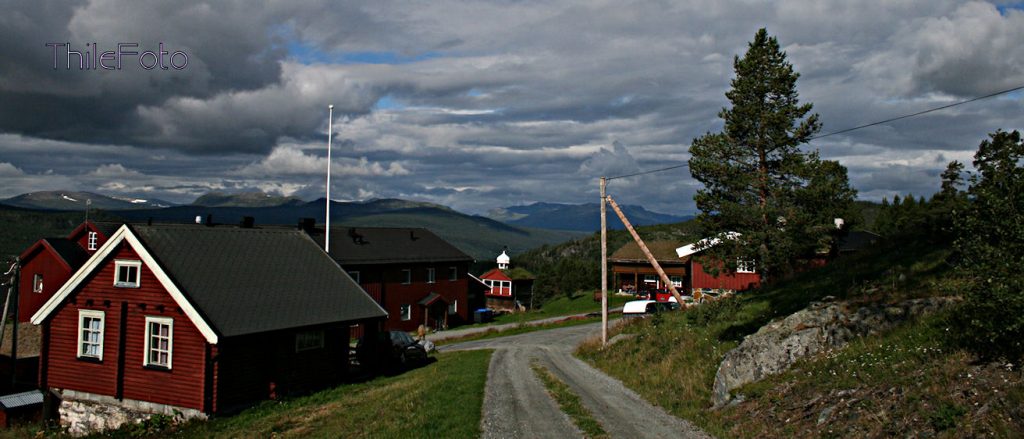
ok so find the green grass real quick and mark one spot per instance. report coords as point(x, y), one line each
point(522, 329)
point(569, 403)
point(443, 399)
point(561, 306)
point(680, 352)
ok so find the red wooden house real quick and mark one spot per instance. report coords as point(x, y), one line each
point(746, 276)
point(197, 320)
point(48, 263)
point(506, 286)
point(417, 276)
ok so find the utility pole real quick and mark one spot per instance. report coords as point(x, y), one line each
point(604, 264)
point(647, 252)
point(330, 134)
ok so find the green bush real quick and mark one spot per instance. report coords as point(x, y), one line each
point(990, 246)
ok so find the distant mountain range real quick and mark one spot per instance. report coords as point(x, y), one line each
point(520, 228)
point(245, 199)
point(578, 217)
point(75, 200)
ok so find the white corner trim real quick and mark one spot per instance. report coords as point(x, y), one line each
point(705, 244)
point(125, 234)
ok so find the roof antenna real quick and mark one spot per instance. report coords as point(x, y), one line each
point(88, 202)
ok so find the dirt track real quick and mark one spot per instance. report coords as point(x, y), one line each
point(517, 406)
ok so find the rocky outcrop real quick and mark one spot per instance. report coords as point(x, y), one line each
point(84, 413)
point(819, 327)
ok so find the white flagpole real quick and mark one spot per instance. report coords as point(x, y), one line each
point(330, 134)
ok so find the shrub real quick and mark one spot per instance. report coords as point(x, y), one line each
point(990, 243)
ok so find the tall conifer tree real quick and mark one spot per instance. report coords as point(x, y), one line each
point(757, 181)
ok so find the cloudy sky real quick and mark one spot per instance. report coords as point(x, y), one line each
point(479, 105)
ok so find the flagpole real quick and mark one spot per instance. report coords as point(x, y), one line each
point(330, 134)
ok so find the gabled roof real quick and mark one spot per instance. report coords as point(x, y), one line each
point(663, 251)
point(105, 228)
point(858, 240)
point(388, 245)
point(495, 274)
point(66, 250)
point(704, 244)
point(235, 281)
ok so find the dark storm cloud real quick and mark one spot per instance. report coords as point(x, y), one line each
point(482, 104)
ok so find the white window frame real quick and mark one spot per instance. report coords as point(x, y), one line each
point(118, 263)
point(406, 276)
point(37, 283)
point(405, 312)
point(651, 279)
point(507, 284)
point(355, 276)
point(745, 266)
point(309, 340)
point(92, 314)
point(677, 281)
point(431, 275)
point(453, 273)
point(170, 341)
point(93, 238)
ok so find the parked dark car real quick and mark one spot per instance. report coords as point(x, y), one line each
point(391, 349)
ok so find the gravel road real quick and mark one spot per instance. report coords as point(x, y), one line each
point(516, 404)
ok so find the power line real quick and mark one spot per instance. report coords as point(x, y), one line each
point(905, 116)
point(648, 172)
point(847, 130)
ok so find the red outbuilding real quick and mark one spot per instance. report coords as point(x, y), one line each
point(196, 320)
point(509, 288)
point(48, 263)
point(745, 278)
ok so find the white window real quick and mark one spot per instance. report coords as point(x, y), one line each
point(745, 266)
point(676, 281)
point(406, 276)
point(37, 283)
point(309, 340)
point(506, 286)
point(92, 240)
point(430, 275)
point(651, 278)
point(406, 312)
point(90, 334)
point(159, 342)
point(453, 273)
point(126, 274)
point(453, 308)
point(355, 276)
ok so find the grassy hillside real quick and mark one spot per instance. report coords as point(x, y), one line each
point(911, 381)
point(443, 399)
point(19, 228)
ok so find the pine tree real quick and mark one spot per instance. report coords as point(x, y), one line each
point(756, 179)
point(990, 245)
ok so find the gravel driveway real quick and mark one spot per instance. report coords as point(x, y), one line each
point(516, 404)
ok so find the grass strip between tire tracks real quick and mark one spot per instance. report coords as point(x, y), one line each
point(569, 403)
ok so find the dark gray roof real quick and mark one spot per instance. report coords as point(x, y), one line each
point(22, 399)
point(107, 228)
point(69, 251)
point(389, 245)
point(858, 240)
point(246, 281)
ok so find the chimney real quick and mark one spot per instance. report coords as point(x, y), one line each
point(307, 224)
point(412, 235)
point(209, 220)
point(248, 222)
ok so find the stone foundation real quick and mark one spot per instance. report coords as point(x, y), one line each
point(82, 413)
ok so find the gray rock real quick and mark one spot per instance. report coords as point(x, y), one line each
point(821, 326)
